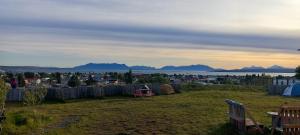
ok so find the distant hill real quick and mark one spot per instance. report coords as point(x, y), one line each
point(102, 66)
point(189, 68)
point(142, 68)
point(252, 68)
point(90, 67)
point(276, 67)
point(34, 69)
point(116, 66)
point(112, 67)
point(272, 69)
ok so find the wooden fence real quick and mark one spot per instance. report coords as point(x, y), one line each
point(87, 92)
point(15, 95)
point(276, 89)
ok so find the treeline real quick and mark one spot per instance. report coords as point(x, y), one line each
point(256, 80)
point(77, 78)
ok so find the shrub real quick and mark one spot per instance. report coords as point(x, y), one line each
point(3, 91)
point(177, 88)
point(35, 96)
point(90, 81)
point(74, 81)
point(297, 72)
point(21, 80)
point(159, 78)
point(17, 122)
point(128, 77)
point(58, 77)
point(29, 75)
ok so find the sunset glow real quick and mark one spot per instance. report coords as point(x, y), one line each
point(219, 33)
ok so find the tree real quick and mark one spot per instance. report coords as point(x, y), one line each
point(35, 95)
point(74, 81)
point(121, 77)
point(9, 75)
point(159, 78)
point(58, 77)
point(113, 75)
point(42, 74)
point(90, 81)
point(21, 81)
point(128, 77)
point(297, 72)
point(29, 75)
point(3, 91)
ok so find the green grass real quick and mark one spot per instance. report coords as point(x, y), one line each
point(194, 112)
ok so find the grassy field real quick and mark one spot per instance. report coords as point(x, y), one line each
point(194, 112)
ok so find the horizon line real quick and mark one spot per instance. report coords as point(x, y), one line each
point(45, 66)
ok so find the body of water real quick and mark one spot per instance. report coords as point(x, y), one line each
point(170, 72)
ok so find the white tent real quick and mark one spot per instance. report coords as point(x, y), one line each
point(292, 90)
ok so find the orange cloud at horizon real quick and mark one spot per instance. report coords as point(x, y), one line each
point(161, 56)
point(233, 59)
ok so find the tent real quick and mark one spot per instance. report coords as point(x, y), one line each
point(292, 90)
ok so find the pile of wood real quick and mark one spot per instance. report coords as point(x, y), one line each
point(166, 89)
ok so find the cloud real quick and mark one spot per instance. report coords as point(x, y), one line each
point(61, 26)
point(155, 36)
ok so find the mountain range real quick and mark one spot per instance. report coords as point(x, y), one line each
point(190, 67)
point(94, 67)
point(116, 66)
point(274, 69)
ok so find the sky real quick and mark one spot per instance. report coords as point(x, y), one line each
point(219, 33)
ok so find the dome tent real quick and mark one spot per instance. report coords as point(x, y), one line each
point(292, 90)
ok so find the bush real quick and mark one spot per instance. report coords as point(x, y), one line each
point(74, 81)
point(3, 91)
point(58, 77)
point(21, 80)
point(17, 122)
point(297, 72)
point(159, 78)
point(177, 88)
point(35, 96)
point(90, 81)
point(128, 77)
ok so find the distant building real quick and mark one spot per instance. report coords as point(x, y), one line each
point(175, 81)
point(112, 81)
point(285, 81)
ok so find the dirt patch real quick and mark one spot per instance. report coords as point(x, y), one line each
point(65, 122)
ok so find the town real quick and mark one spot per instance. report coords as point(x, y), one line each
point(20, 82)
point(57, 79)
point(33, 88)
